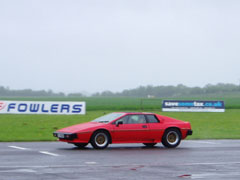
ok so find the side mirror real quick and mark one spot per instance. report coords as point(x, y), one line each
point(118, 123)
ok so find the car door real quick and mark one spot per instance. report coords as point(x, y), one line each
point(156, 128)
point(134, 128)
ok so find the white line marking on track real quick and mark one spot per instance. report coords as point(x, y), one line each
point(212, 163)
point(17, 147)
point(205, 142)
point(90, 163)
point(48, 153)
point(19, 170)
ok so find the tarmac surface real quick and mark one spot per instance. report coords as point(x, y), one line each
point(208, 159)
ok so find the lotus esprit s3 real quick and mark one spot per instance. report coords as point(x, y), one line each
point(124, 127)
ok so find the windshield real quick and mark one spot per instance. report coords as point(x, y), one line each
point(108, 118)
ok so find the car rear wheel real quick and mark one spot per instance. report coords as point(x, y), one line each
point(149, 144)
point(100, 140)
point(81, 145)
point(171, 138)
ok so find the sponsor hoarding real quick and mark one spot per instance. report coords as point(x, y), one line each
point(42, 107)
point(193, 106)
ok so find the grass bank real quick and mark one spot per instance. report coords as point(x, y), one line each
point(40, 127)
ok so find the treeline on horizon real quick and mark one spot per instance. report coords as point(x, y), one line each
point(142, 91)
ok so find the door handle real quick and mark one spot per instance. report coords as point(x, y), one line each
point(144, 126)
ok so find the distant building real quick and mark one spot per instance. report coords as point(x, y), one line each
point(150, 96)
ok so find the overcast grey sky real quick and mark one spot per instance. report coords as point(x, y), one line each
point(96, 45)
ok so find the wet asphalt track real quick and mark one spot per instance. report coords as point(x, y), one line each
point(212, 159)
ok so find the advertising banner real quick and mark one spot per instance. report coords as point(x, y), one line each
point(193, 106)
point(42, 107)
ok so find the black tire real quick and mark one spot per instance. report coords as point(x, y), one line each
point(171, 138)
point(80, 145)
point(149, 144)
point(100, 140)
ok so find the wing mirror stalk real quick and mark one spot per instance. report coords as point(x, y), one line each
point(118, 123)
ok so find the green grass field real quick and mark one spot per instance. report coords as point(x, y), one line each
point(40, 127)
point(133, 104)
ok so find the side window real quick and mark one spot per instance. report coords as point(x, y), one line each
point(152, 119)
point(136, 119)
point(123, 119)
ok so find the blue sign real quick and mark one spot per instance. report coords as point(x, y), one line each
point(193, 106)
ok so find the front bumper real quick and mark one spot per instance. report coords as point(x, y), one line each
point(189, 132)
point(66, 136)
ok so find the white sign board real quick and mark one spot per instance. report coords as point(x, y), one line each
point(193, 106)
point(42, 107)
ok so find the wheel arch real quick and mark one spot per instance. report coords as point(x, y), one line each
point(105, 130)
point(174, 127)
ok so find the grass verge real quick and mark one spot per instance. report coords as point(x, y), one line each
point(40, 127)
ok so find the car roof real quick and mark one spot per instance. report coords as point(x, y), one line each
point(136, 112)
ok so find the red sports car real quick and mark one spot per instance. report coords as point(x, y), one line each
point(124, 127)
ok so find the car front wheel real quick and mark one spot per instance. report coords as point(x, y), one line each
point(171, 138)
point(100, 140)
